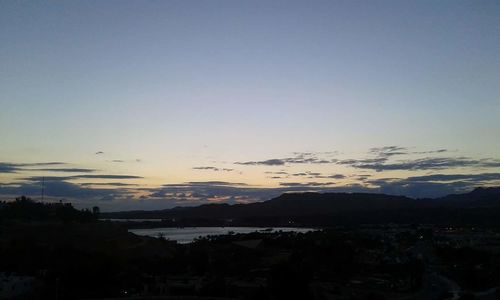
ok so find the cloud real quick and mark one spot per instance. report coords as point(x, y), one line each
point(214, 169)
point(431, 151)
point(52, 163)
point(330, 153)
point(206, 168)
point(362, 177)
point(434, 185)
point(59, 178)
point(268, 162)
point(388, 151)
point(58, 186)
point(378, 159)
point(8, 168)
point(26, 167)
point(108, 176)
point(298, 158)
point(428, 163)
point(453, 177)
point(124, 161)
point(317, 175)
point(306, 184)
point(108, 184)
point(66, 170)
point(191, 193)
point(365, 161)
point(200, 192)
point(58, 189)
point(277, 173)
point(383, 160)
point(382, 155)
point(15, 167)
point(216, 183)
point(336, 176)
point(195, 193)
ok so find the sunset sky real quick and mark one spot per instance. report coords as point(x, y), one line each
point(155, 104)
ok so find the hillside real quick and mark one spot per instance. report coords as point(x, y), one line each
point(330, 208)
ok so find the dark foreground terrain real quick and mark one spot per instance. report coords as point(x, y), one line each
point(56, 252)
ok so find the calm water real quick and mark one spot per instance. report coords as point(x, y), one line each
point(188, 234)
point(131, 220)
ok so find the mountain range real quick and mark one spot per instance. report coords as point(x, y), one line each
point(481, 205)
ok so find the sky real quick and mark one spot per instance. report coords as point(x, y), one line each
point(156, 104)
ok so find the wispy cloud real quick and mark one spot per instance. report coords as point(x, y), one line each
point(109, 184)
point(428, 163)
point(81, 176)
point(64, 170)
point(267, 162)
point(15, 167)
point(8, 168)
point(454, 177)
point(298, 158)
point(193, 193)
point(209, 183)
point(60, 189)
point(216, 169)
point(382, 159)
point(317, 175)
point(277, 173)
point(432, 151)
point(306, 184)
point(435, 184)
point(388, 151)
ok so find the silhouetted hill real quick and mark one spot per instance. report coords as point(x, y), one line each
point(25, 209)
point(330, 208)
point(315, 203)
point(288, 204)
point(479, 197)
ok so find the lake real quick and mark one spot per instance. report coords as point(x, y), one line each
point(188, 234)
point(131, 220)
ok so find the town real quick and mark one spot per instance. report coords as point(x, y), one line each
point(54, 250)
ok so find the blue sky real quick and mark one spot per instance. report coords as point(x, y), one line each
point(176, 92)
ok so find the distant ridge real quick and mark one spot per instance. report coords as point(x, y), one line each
point(342, 207)
point(479, 197)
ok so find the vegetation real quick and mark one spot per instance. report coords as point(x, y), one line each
point(73, 255)
point(28, 210)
